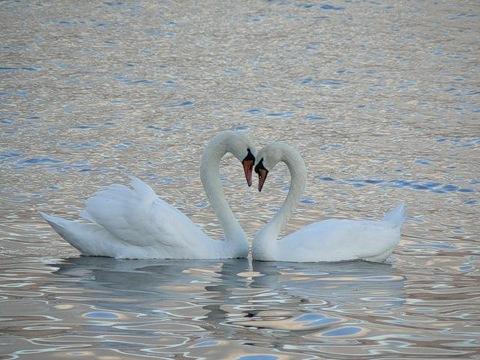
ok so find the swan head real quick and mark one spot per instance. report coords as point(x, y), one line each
point(242, 148)
point(234, 142)
point(270, 156)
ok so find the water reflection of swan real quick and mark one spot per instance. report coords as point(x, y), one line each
point(196, 290)
point(341, 282)
point(210, 307)
point(307, 296)
point(328, 240)
point(237, 287)
point(151, 275)
point(125, 222)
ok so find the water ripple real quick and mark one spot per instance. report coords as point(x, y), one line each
point(400, 183)
point(91, 92)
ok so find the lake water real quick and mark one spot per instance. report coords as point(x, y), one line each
point(381, 98)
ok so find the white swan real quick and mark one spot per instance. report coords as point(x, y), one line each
point(134, 223)
point(328, 240)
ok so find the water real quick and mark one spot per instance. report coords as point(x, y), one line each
point(381, 98)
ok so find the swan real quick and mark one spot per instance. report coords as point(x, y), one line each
point(328, 240)
point(134, 223)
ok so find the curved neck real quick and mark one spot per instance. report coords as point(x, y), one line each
point(210, 176)
point(268, 235)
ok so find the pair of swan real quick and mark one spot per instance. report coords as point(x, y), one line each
point(134, 223)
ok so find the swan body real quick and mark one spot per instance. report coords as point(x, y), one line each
point(328, 240)
point(134, 223)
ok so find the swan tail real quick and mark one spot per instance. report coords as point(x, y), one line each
point(396, 217)
point(90, 239)
point(57, 223)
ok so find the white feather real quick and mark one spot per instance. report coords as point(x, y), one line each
point(133, 222)
point(328, 240)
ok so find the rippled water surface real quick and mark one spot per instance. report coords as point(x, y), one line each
point(381, 98)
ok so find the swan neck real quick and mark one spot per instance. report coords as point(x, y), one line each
point(210, 176)
point(298, 175)
point(266, 239)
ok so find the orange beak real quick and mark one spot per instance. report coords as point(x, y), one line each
point(262, 176)
point(248, 169)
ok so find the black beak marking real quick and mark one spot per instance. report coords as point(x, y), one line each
point(260, 166)
point(249, 156)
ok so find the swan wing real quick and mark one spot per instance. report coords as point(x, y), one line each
point(137, 216)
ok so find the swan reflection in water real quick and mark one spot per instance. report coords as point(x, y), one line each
point(221, 305)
